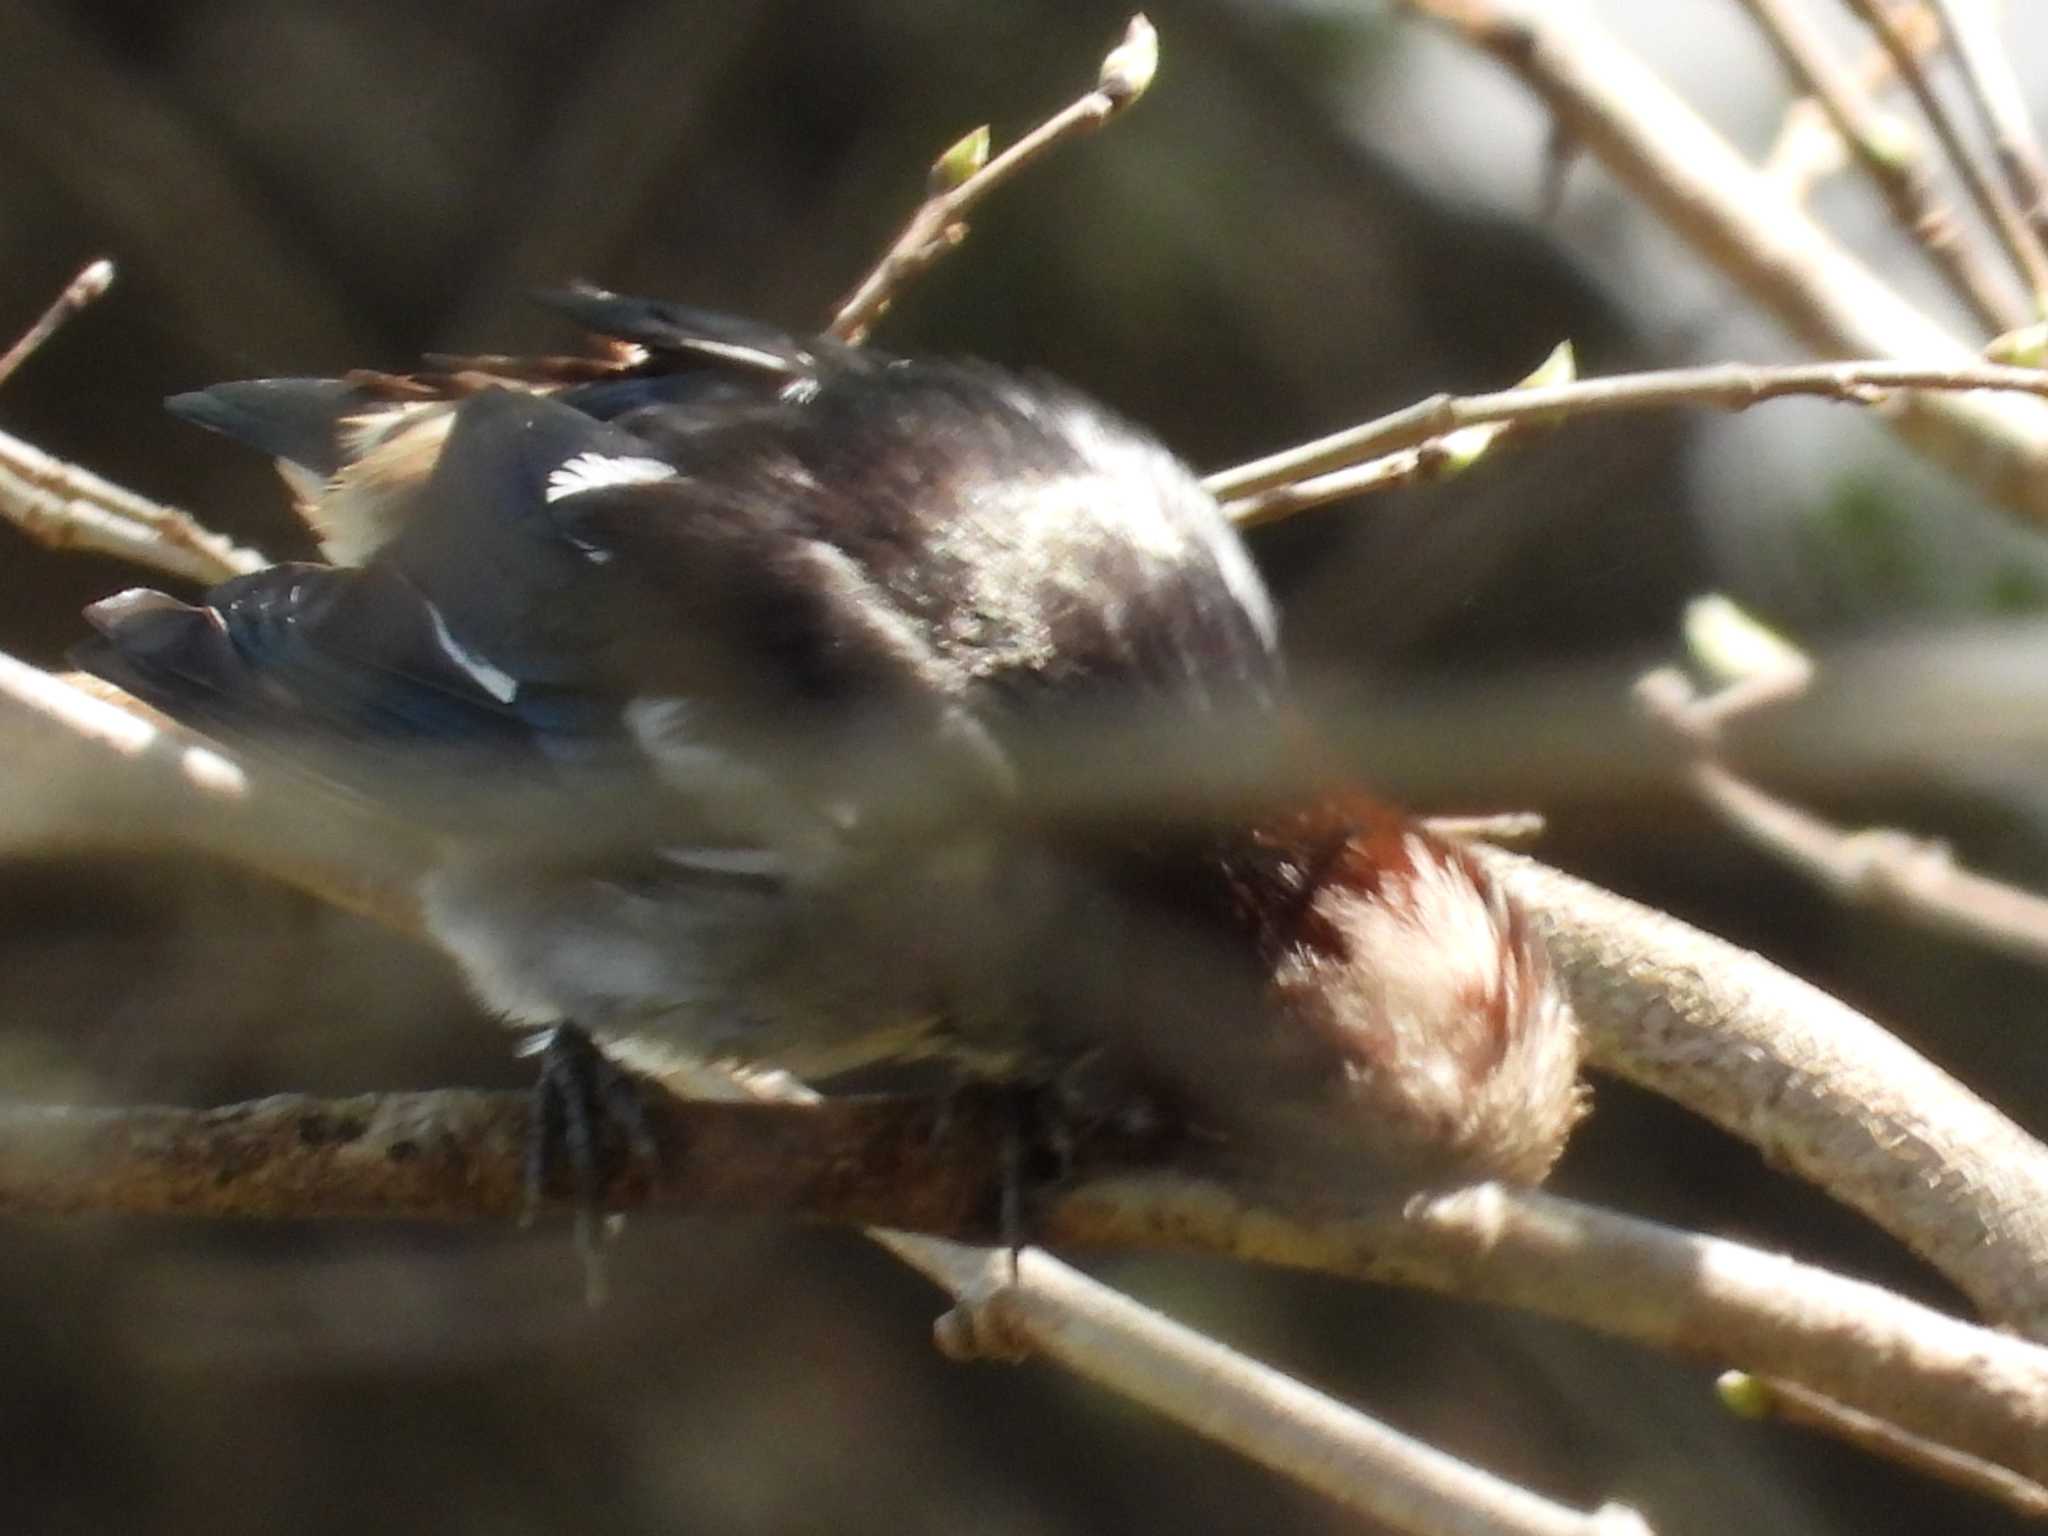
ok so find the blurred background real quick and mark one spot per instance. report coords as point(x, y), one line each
point(1317, 215)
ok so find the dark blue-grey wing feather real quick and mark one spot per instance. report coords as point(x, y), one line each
point(293, 419)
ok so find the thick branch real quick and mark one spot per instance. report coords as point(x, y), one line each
point(1814, 1084)
point(458, 1155)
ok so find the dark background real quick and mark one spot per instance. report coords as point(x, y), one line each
point(306, 187)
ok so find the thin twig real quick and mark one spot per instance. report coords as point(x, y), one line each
point(1735, 219)
point(962, 181)
point(1771, 1397)
point(1039, 1306)
point(1423, 464)
point(1889, 152)
point(2022, 246)
point(1808, 146)
point(1371, 453)
point(1507, 828)
point(96, 768)
point(63, 506)
point(96, 278)
point(1893, 870)
point(1994, 89)
point(1699, 1296)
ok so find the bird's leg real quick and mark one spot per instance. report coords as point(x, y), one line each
point(1095, 1112)
point(584, 1104)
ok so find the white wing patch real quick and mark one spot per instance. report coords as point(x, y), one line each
point(496, 681)
point(737, 863)
point(596, 471)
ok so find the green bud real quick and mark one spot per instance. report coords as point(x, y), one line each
point(1131, 64)
point(1744, 1395)
point(1732, 644)
point(959, 163)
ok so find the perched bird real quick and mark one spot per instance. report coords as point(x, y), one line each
point(737, 675)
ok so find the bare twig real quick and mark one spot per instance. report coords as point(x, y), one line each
point(1896, 871)
point(1738, 221)
point(1808, 146)
point(2022, 246)
point(1959, 1384)
point(1988, 75)
point(1888, 151)
point(93, 281)
point(962, 180)
point(1768, 1397)
point(1507, 828)
point(181, 765)
point(83, 770)
point(1040, 1306)
point(65, 507)
point(1423, 464)
point(1377, 453)
point(456, 1155)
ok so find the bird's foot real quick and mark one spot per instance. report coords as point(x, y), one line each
point(588, 1111)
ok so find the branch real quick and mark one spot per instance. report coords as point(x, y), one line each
point(62, 506)
point(1735, 219)
point(2001, 105)
point(1767, 1397)
point(1699, 1296)
point(1037, 1305)
point(1889, 152)
point(2020, 243)
point(89, 285)
point(1819, 1088)
point(456, 1155)
point(1912, 877)
point(1378, 452)
point(83, 770)
point(963, 176)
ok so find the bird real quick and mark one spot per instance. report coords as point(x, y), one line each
point(744, 681)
